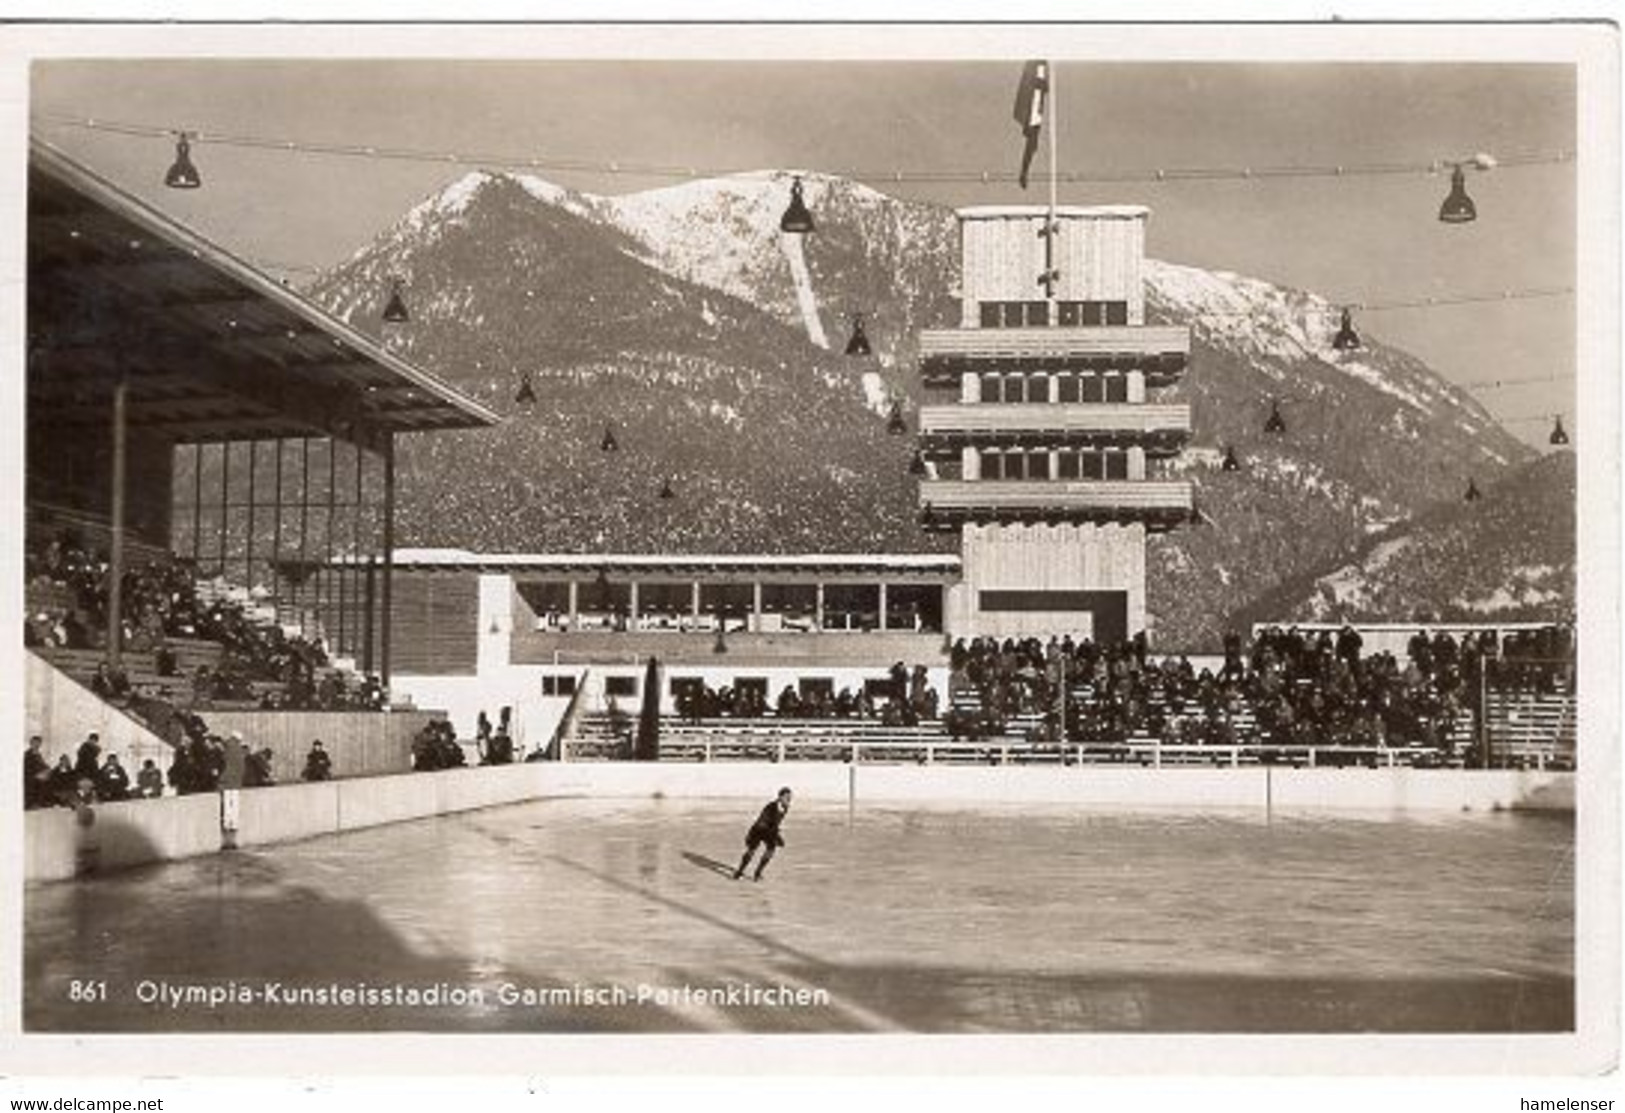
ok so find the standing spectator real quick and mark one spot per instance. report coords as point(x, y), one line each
point(89, 762)
point(234, 766)
point(318, 766)
point(36, 775)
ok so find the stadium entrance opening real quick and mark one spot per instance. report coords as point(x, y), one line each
point(1101, 615)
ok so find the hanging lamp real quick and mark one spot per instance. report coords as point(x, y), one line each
point(1472, 494)
point(896, 424)
point(858, 345)
point(1275, 423)
point(607, 443)
point(525, 396)
point(665, 489)
point(182, 174)
point(1346, 340)
point(1458, 208)
point(1559, 435)
point(796, 218)
point(1230, 461)
point(395, 311)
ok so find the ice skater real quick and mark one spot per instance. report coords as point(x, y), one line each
point(765, 833)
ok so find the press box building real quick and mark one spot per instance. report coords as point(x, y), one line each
point(1043, 436)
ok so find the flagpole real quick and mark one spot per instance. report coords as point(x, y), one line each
point(1054, 134)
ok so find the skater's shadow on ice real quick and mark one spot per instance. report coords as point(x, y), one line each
point(721, 869)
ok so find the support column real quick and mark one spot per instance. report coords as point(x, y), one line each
point(632, 605)
point(1136, 386)
point(575, 603)
point(358, 622)
point(1136, 462)
point(248, 544)
point(970, 464)
point(694, 603)
point(225, 500)
point(818, 606)
point(882, 613)
point(197, 507)
point(370, 596)
point(276, 528)
point(327, 565)
point(115, 556)
point(386, 629)
point(302, 592)
point(970, 388)
point(756, 606)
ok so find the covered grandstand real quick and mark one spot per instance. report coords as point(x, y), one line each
point(187, 412)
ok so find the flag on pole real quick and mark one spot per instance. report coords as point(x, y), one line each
point(1030, 110)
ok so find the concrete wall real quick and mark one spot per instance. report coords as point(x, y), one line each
point(135, 832)
point(1099, 257)
point(62, 711)
point(462, 698)
point(1081, 557)
point(1258, 788)
point(361, 743)
point(142, 831)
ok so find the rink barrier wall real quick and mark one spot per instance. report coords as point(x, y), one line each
point(138, 832)
point(58, 845)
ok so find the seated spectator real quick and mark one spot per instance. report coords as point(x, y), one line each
point(499, 751)
point(112, 782)
point(36, 775)
point(64, 779)
point(257, 769)
point(318, 766)
point(149, 782)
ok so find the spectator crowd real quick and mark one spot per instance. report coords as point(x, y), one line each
point(260, 664)
point(201, 762)
point(1285, 686)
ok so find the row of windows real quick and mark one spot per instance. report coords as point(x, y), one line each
point(607, 605)
point(1068, 314)
point(1023, 463)
point(1070, 387)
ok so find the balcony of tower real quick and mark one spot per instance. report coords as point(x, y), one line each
point(1158, 504)
point(1158, 428)
point(1159, 352)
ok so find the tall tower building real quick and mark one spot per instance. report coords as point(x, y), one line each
point(1042, 435)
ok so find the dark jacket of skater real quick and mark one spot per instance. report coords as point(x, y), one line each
point(765, 833)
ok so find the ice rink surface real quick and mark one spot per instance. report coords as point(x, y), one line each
point(1002, 919)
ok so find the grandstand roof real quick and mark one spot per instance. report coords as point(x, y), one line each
point(213, 348)
point(676, 563)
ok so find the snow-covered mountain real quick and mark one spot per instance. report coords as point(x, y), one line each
point(712, 343)
point(1508, 556)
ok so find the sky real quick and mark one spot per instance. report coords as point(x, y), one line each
point(1354, 239)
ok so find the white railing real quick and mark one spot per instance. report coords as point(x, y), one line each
point(1057, 495)
point(911, 748)
point(1061, 418)
point(1019, 343)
